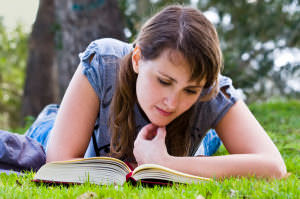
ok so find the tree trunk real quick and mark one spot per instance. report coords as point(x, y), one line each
point(40, 89)
point(80, 22)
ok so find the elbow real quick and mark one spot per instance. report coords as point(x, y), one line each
point(49, 157)
point(278, 169)
point(281, 172)
point(53, 155)
point(271, 166)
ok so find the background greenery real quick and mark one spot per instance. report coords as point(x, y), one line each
point(13, 55)
point(252, 33)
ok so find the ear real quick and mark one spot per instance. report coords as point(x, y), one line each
point(135, 58)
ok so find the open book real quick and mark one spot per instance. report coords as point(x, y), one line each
point(106, 170)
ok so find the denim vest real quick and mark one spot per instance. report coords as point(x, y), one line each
point(101, 72)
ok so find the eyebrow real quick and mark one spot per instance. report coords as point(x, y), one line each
point(174, 80)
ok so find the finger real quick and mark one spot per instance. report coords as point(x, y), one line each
point(151, 133)
point(147, 131)
point(161, 134)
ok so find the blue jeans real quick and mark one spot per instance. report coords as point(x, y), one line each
point(210, 144)
point(41, 127)
point(40, 131)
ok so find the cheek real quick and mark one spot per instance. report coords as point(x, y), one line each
point(147, 91)
point(187, 103)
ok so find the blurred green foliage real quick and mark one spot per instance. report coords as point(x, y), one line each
point(252, 33)
point(13, 51)
point(28, 121)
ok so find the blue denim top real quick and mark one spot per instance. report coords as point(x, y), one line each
point(101, 72)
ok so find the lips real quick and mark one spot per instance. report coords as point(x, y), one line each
point(162, 112)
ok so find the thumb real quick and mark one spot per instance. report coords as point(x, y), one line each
point(161, 134)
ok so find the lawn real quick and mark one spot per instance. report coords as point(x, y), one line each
point(281, 119)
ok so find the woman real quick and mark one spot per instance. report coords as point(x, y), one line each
point(154, 102)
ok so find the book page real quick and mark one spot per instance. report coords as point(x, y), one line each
point(85, 160)
point(98, 170)
point(157, 172)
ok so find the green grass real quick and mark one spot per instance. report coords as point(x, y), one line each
point(280, 119)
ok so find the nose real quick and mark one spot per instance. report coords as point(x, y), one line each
point(171, 101)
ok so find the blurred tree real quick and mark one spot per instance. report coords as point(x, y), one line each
point(78, 23)
point(63, 29)
point(13, 51)
point(252, 34)
point(40, 87)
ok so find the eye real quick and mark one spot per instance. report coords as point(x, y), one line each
point(163, 82)
point(190, 92)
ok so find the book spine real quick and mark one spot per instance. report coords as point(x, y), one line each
point(128, 176)
point(129, 165)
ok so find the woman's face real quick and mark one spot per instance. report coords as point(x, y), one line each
point(163, 88)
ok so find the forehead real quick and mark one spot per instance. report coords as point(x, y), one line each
point(172, 63)
point(175, 57)
point(178, 61)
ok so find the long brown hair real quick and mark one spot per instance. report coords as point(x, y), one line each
point(179, 28)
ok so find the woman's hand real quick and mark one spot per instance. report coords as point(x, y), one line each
point(149, 146)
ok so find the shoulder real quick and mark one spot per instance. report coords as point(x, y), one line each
point(100, 61)
point(108, 46)
point(212, 111)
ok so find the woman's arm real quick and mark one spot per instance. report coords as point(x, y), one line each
point(251, 149)
point(75, 120)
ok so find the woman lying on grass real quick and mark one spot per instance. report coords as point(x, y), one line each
point(154, 102)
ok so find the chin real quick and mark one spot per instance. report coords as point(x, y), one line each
point(160, 123)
